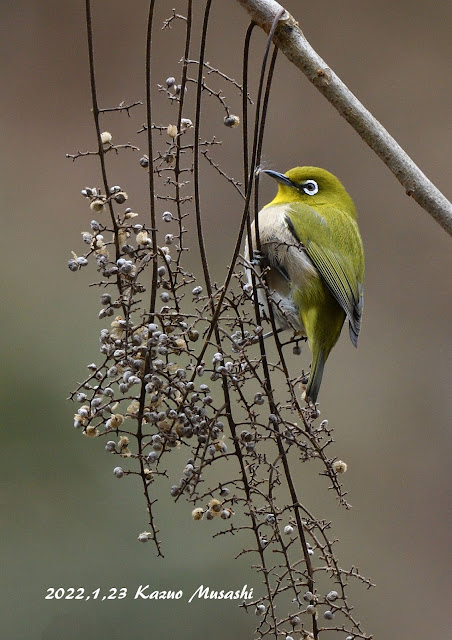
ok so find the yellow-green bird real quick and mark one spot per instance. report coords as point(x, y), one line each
point(312, 249)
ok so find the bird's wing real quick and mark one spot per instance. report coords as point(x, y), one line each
point(321, 235)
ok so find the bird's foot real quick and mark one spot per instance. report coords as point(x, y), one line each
point(258, 259)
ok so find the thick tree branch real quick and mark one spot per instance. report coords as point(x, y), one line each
point(290, 39)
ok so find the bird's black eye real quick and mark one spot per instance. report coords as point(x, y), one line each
point(310, 187)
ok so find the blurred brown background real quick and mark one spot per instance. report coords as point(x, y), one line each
point(66, 520)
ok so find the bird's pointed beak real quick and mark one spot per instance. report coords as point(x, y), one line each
point(279, 177)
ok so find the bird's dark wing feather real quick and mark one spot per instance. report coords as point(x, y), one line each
point(320, 238)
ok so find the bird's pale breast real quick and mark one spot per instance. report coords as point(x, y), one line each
point(288, 263)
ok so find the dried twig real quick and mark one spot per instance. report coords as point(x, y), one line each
point(184, 367)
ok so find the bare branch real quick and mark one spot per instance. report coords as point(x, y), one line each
point(122, 107)
point(184, 374)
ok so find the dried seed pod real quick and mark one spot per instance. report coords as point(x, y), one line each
point(172, 130)
point(231, 121)
point(105, 137)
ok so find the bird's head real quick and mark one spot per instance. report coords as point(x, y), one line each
point(313, 186)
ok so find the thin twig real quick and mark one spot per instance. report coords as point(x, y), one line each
point(222, 75)
point(122, 107)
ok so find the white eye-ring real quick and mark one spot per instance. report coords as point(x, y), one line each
point(310, 187)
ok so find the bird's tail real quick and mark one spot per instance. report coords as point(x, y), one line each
point(315, 377)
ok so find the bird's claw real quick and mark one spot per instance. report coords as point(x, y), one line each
point(258, 258)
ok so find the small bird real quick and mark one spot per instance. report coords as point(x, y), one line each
point(313, 257)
